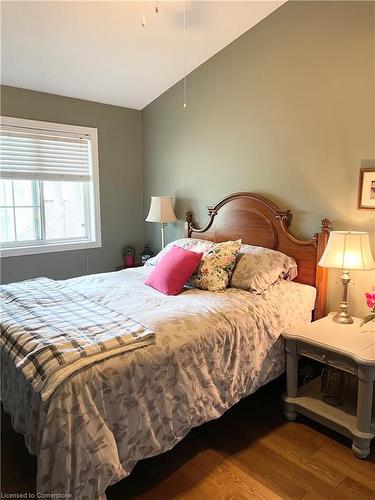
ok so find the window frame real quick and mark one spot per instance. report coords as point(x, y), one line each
point(40, 246)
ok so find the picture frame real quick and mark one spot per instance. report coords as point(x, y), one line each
point(366, 189)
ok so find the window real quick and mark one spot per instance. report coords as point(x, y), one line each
point(49, 187)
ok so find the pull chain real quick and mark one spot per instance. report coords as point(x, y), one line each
point(185, 60)
point(143, 14)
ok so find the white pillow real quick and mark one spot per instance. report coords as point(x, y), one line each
point(193, 244)
point(258, 268)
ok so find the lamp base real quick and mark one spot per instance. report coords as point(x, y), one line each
point(342, 317)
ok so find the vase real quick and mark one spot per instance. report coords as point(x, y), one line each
point(129, 260)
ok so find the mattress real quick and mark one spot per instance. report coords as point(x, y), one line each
point(212, 349)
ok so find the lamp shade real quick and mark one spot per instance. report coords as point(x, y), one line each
point(161, 210)
point(348, 250)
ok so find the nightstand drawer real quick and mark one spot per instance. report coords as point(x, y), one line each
point(328, 358)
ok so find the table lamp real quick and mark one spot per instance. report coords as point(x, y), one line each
point(347, 250)
point(161, 210)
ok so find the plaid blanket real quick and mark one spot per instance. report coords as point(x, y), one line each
point(50, 331)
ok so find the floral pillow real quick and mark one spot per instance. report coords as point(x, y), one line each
point(258, 268)
point(216, 267)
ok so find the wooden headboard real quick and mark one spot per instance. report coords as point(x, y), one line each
point(258, 221)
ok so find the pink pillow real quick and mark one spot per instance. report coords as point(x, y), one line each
point(174, 269)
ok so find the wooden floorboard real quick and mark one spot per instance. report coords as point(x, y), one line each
point(251, 452)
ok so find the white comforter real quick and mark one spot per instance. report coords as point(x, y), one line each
point(212, 349)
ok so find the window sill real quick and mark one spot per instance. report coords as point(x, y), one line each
point(48, 248)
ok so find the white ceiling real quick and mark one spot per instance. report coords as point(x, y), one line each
point(98, 50)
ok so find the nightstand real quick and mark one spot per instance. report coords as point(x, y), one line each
point(349, 348)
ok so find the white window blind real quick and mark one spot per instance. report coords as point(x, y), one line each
point(36, 154)
point(49, 187)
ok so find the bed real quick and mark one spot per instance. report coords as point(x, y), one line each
point(211, 350)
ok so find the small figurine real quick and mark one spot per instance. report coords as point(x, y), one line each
point(146, 254)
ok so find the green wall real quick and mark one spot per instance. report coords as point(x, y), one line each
point(286, 110)
point(120, 172)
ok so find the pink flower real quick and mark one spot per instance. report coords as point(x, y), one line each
point(370, 298)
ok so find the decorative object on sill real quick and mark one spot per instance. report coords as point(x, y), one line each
point(366, 188)
point(347, 250)
point(129, 256)
point(146, 254)
point(334, 383)
point(370, 300)
point(161, 210)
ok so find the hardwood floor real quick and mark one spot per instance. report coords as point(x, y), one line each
point(249, 453)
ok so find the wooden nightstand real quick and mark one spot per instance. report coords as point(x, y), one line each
point(348, 348)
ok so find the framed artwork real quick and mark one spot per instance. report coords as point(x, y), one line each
point(366, 189)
